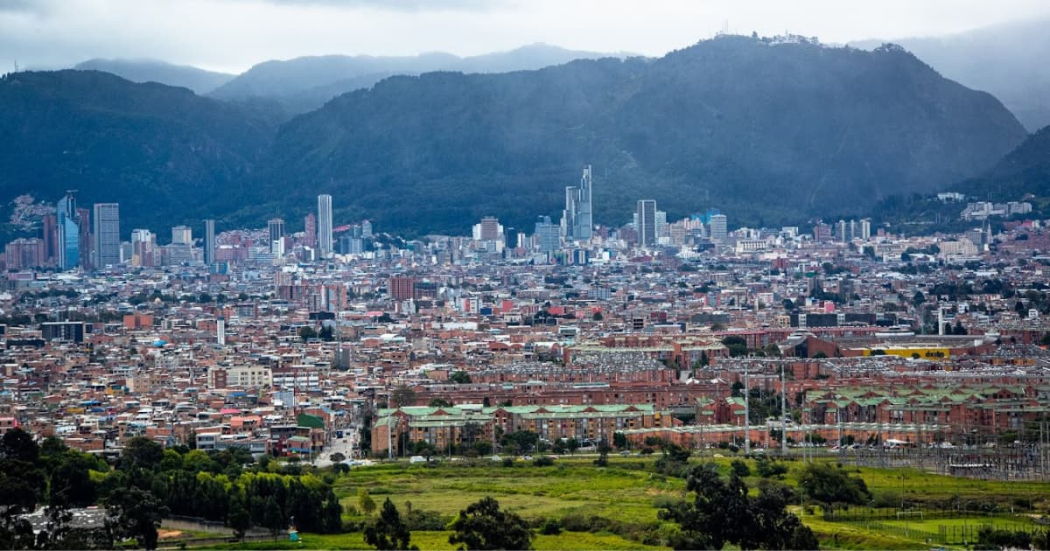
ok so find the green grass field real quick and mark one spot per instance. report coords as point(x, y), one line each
point(438, 541)
point(626, 495)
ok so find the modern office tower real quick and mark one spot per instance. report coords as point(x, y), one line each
point(719, 227)
point(646, 224)
point(209, 242)
point(366, 230)
point(324, 229)
point(276, 229)
point(107, 234)
point(402, 288)
point(865, 229)
point(182, 235)
point(310, 230)
point(661, 224)
point(547, 235)
point(577, 221)
point(68, 233)
point(50, 237)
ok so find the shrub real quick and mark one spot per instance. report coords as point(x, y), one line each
point(740, 468)
point(551, 528)
point(543, 461)
point(508, 462)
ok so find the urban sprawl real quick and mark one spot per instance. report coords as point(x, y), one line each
point(341, 340)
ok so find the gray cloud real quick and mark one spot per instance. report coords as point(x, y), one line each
point(232, 35)
point(399, 5)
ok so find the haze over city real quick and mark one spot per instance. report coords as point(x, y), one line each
point(232, 35)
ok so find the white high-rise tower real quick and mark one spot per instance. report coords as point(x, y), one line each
point(324, 225)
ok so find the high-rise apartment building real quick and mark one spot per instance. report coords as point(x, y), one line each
point(402, 287)
point(324, 229)
point(366, 230)
point(182, 235)
point(488, 230)
point(107, 234)
point(276, 229)
point(646, 222)
point(865, 229)
point(577, 221)
point(719, 227)
point(209, 242)
point(143, 248)
point(23, 254)
point(310, 230)
point(68, 233)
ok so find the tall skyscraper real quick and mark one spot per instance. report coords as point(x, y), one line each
point(646, 225)
point(50, 236)
point(85, 242)
point(209, 242)
point(324, 222)
point(577, 222)
point(310, 230)
point(107, 234)
point(68, 233)
point(276, 229)
point(719, 227)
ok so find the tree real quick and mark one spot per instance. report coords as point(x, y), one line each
point(440, 403)
point(365, 502)
point(388, 531)
point(141, 453)
point(620, 440)
point(337, 457)
point(402, 396)
point(460, 378)
point(483, 525)
point(239, 519)
point(723, 512)
point(306, 333)
point(737, 346)
point(918, 299)
point(134, 513)
point(572, 445)
point(830, 485)
point(740, 468)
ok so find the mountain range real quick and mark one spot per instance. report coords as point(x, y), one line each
point(770, 131)
point(1007, 60)
point(146, 70)
point(305, 83)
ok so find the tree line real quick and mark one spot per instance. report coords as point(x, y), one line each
point(148, 483)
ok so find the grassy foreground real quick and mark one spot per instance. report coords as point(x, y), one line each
point(616, 507)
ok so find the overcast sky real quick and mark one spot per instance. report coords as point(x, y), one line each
point(232, 35)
